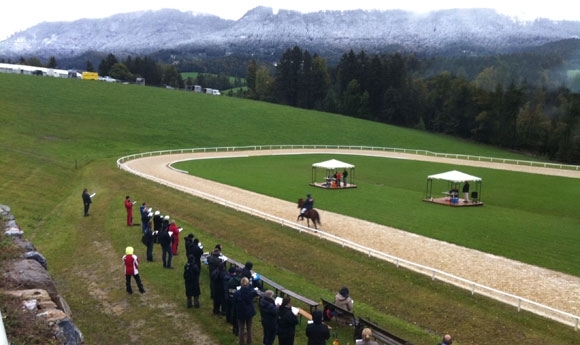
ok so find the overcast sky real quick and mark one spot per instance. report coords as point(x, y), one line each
point(18, 16)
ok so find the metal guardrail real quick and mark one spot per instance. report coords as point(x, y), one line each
point(517, 301)
point(537, 164)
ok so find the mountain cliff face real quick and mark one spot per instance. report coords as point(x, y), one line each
point(263, 34)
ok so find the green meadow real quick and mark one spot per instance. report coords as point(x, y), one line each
point(58, 136)
point(516, 222)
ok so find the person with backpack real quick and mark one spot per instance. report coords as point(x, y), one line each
point(191, 279)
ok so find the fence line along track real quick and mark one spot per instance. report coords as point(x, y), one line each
point(520, 303)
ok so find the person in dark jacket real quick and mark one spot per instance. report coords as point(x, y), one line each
point(245, 311)
point(218, 293)
point(165, 242)
point(191, 278)
point(213, 261)
point(287, 322)
point(197, 252)
point(146, 220)
point(148, 242)
point(232, 288)
point(269, 314)
point(157, 221)
point(87, 200)
point(189, 245)
point(317, 332)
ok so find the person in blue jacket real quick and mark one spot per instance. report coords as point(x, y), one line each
point(245, 311)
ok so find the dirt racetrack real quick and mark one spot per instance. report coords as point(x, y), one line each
point(550, 288)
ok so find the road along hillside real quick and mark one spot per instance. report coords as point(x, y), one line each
point(542, 286)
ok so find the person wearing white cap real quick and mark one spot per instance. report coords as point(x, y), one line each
point(131, 263)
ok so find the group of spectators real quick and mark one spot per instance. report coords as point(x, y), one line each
point(234, 290)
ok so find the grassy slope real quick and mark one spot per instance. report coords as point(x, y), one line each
point(59, 136)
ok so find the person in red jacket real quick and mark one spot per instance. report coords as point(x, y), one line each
point(131, 263)
point(174, 229)
point(129, 208)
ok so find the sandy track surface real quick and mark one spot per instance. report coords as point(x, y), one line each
point(550, 288)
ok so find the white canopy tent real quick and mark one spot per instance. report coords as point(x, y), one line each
point(330, 167)
point(453, 178)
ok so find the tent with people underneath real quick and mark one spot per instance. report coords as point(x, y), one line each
point(458, 189)
point(334, 175)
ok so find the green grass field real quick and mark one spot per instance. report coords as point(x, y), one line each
point(516, 221)
point(59, 136)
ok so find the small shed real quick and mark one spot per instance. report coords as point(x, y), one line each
point(451, 186)
point(323, 174)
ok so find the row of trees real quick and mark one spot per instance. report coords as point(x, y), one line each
point(393, 89)
point(157, 74)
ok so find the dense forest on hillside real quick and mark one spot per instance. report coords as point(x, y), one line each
point(528, 101)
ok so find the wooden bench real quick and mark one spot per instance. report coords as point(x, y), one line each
point(343, 314)
point(279, 289)
point(381, 335)
point(313, 305)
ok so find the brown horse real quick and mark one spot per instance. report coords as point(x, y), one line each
point(309, 214)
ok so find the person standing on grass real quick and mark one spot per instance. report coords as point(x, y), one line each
point(87, 200)
point(245, 311)
point(174, 230)
point(165, 242)
point(269, 314)
point(317, 332)
point(197, 252)
point(287, 322)
point(129, 208)
point(191, 278)
point(131, 263)
point(157, 221)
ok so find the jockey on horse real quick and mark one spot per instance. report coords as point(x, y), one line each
point(308, 205)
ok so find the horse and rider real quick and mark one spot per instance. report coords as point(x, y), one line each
point(307, 211)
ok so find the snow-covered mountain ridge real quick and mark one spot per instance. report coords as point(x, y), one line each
point(262, 33)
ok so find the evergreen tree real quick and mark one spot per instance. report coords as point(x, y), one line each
point(51, 62)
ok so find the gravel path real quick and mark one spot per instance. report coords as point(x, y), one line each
point(550, 288)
